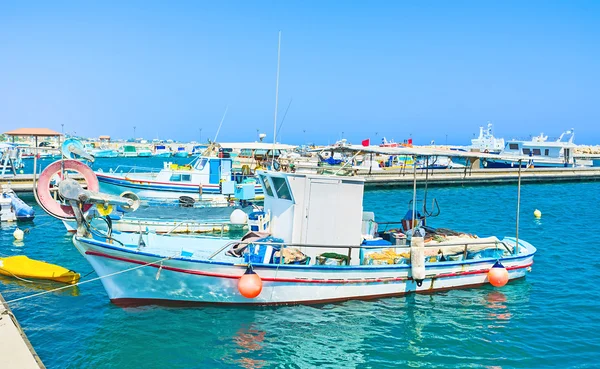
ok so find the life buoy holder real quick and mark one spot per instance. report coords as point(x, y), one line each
point(43, 185)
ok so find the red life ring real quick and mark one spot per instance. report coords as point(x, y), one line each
point(44, 197)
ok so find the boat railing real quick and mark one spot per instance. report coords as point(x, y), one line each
point(283, 245)
point(130, 169)
point(215, 225)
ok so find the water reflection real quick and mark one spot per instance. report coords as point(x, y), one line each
point(249, 340)
point(496, 303)
point(15, 286)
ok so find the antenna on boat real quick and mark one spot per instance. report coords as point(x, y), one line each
point(276, 100)
point(220, 124)
point(284, 115)
point(518, 207)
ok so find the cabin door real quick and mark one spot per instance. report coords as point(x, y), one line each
point(567, 156)
point(215, 171)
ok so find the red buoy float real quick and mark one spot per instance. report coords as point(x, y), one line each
point(498, 275)
point(250, 284)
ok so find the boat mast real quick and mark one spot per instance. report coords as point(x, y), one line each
point(518, 207)
point(276, 100)
point(220, 124)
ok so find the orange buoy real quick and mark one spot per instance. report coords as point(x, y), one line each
point(250, 284)
point(498, 275)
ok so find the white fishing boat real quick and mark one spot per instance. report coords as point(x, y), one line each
point(181, 152)
point(144, 152)
point(313, 243)
point(486, 142)
point(541, 153)
point(104, 153)
point(165, 219)
point(204, 179)
point(128, 151)
point(161, 151)
point(11, 159)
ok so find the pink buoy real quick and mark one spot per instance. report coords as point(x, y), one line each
point(250, 284)
point(498, 275)
point(44, 196)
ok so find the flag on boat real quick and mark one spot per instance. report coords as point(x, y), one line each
point(366, 142)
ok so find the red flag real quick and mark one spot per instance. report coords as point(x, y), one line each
point(366, 142)
point(410, 141)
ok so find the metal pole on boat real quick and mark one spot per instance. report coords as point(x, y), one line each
point(276, 101)
point(220, 124)
point(518, 206)
point(414, 209)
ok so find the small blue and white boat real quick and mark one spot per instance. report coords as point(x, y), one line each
point(20, 209)
point(181, 152)
point(207, 179)
point(161, 151)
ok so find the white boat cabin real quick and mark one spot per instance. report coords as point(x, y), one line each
point(205, 170)
point(535, 149)
point(315, 210)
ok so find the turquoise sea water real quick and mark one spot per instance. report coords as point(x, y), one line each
point(550, 319)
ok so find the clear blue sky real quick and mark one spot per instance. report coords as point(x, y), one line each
point(368, 69)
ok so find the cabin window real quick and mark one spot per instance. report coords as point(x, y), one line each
point(526, 151)
point(186, 177)
point(537, 152)
point(267, 185)
point(175, 178)
point(281, 188)
point(513, 146)
point(547, 152)
point(201, 163)
point(246, 153)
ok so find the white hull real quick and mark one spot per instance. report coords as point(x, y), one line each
point(181, 280)
point(134, 225)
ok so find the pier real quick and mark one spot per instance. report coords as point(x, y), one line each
point(436, 177)
point(462, 177)
point(23, 182)
point(15, 350)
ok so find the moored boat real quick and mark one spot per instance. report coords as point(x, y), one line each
point(204, 179)
point(541, 153)
point(313, 243)
point(22, 267)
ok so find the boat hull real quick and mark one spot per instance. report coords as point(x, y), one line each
point(147, 188)
point(179, 280)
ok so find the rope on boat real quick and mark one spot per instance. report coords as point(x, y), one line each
point(16, 276)
point(89, 280)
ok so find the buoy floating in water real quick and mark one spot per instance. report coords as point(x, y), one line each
point(250, 284)
point(537, 213)
point(18, 234)
point(498, 275)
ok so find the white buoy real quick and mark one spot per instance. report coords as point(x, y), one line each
point(537, 213)
point(18, 234)
point(417, 259)
point(238, 217)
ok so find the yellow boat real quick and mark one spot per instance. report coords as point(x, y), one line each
point(23, 267)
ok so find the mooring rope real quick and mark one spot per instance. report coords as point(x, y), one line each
point(89, 280)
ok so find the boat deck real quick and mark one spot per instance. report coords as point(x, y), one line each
point(15, 349)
